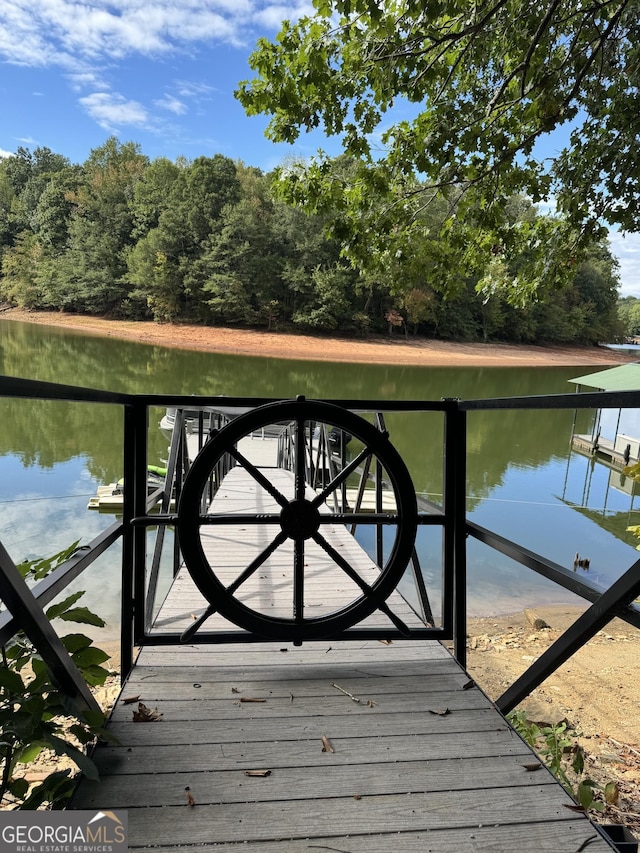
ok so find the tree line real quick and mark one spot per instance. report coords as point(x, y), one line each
point(215, 241)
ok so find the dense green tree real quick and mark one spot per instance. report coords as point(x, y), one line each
point(20, 271)
point(210, 241)
point(629, 315)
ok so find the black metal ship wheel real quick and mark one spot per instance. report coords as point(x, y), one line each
point(296, 527)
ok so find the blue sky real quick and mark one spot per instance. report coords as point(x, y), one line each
point(159, 72)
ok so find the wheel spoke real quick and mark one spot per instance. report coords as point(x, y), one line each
point(355, 577)
point(342, 476)
point(238, 518)
point(299, 464)
point(255, 564)
point(298, 581)
point(258, 476)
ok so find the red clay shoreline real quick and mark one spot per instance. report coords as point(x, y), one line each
point(372, 350)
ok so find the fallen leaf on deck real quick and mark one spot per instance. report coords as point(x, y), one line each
point(190, 799)
point(371, 703)
point(326, 744)
point(130, 700)
point(533, 766)
point(146, 715)
point(357, 797)
point(235, 690)
point(441, 712)
point(251, 699)
point(260, 773)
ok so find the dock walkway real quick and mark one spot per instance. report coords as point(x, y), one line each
point(346, 746)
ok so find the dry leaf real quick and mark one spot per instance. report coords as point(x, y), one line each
point(190, 799)
point(130, 700)
point(533, 766)
point(146, 715)
point(326, 744)
point(251, 699)
point(259, 773)
point(611, 793)
point(371, 703)
point(386, 642)
point(235, 690)
point(357, 797)
point(441, 712)
point(194, 617)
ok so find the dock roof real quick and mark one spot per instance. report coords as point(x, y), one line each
point(626, 377)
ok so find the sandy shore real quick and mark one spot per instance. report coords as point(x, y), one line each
point(371, 350)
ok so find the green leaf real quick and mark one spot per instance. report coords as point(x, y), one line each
point(56, 610)
point(56, 789)
point(578, 762)
point(81, 760)
point(19, 787)
point(89, 656)
point(95, 719)
point(95, 675)
point(84, 615)
point(585, 795)
point(75, 642)
point(11, 681)
point(31, 751)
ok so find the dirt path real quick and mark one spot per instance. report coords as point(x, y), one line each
point(372, 350)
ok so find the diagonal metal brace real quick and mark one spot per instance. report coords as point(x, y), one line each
point(620, 593)
point(31, 618)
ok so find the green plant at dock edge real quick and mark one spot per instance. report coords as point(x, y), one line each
point(35, 715)
point(558, 750)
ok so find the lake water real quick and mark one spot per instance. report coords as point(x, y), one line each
point(523, 481)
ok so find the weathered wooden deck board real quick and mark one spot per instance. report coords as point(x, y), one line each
point(422, 762)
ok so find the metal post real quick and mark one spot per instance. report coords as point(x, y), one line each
point(454, 544)
point(141, 416)
point(128, 512)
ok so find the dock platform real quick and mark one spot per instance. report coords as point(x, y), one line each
point(351, 746)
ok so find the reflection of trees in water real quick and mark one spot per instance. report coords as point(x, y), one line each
point(48, 432)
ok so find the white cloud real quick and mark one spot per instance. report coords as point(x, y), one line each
point(188, 89)
point(4, 154)
point(54, 31)
point(626, 248)
point(112, 110)
point(271, 16)
point(173, 105)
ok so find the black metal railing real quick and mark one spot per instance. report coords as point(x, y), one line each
point(142, 510)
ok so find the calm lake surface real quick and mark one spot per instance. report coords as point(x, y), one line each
point(523, 481)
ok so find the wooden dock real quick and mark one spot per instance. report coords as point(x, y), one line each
point(345, 746)
point(604, 451)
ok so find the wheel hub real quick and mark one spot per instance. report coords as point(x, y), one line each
point(300, 519)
